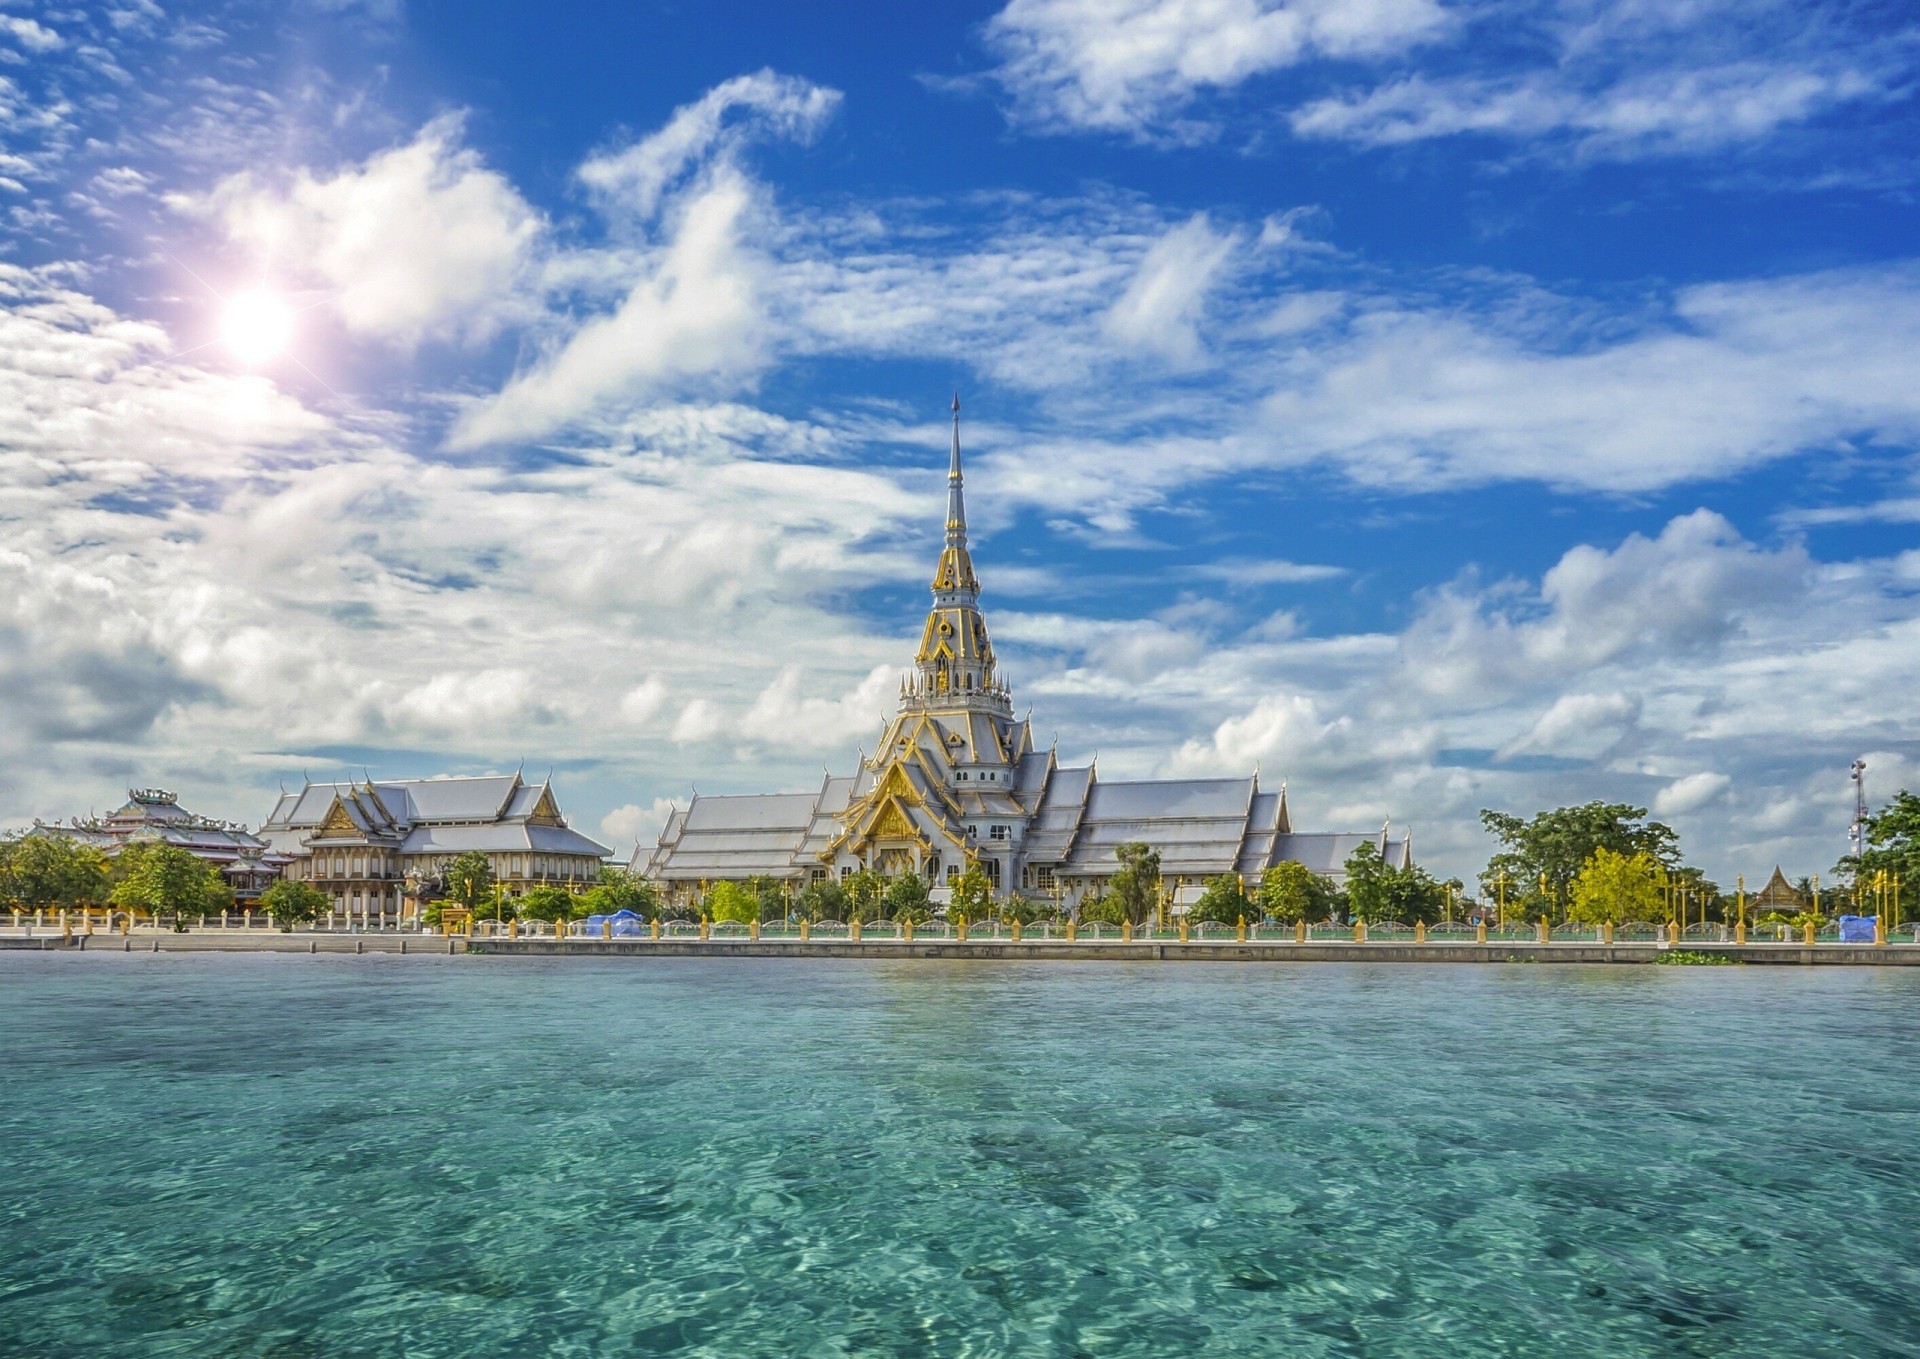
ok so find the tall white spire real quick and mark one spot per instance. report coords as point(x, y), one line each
point(956, 500)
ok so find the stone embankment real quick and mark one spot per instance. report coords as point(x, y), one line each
point(1031, 950)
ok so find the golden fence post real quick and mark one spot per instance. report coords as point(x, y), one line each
point(1740, 931)
point(1300, 931)
point(1240, 931)
point(1126, 931)
point(653, 928)
point(960, 929)
point(705, 927)
point(1073, 930)
point(753, 928)
point(1546, 931)
point(1480, 933)
point(606, 928)
point(853, 930)
point(806, 932)
point(1673, 932)
point(906, 930)
point(1016, 931)
point(1359, 931)
point(1419, 931)
point(1606, 932)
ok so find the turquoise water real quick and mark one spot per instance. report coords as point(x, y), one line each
point(296, 1156)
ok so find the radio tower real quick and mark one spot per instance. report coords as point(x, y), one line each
point(1858, 835)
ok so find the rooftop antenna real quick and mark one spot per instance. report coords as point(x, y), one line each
point(1858, 835)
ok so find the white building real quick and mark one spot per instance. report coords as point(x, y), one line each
point(955, 777)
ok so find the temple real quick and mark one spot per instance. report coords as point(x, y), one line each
point(246, 862)
point(369, 845)
point(956, 779)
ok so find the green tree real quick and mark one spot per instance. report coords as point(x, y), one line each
point(1554, 846)
point(972, 895)
point(1223, 901)
point(1619, 888)
point(51, 872)
point(1100, 908)
point(291, 902)
point(163, 879)
point(469, 883)
point(1291, 891)
point(731, 901)
point(824, 899)
point(907, 898)
point(775, 897)
point(621, 889)
point(1368, 894)
point(1892, 847)
point(866, 894)
point(1413, 894)
point(551, 903)
point(1135, 889)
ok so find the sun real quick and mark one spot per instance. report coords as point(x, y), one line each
point(256, 326)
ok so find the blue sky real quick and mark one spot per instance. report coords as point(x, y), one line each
point(1439, 405)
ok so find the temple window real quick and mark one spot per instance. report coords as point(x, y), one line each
point(997, 833)
point(1043, 879)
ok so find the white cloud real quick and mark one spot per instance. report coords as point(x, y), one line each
point(1161, 309)
point(422, 240)
point(693, 314)
point(1577, 725)
point(1675, 111)
point(787, 716)
point(1134, 65)
point(1689, 794)
point(636, 177)
point(35, 37)
point(630, 825)
point(694, 317)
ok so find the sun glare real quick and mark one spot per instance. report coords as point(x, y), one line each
point(256, 326)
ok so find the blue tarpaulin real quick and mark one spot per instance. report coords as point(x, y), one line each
point(1857, 929)
point(626, 925)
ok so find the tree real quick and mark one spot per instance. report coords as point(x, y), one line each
point(1100, 908)
point(731, 901)
point(291, 902)
point(866, 894)
point(822, 900)
point(1223, 901)
point(1413, 894)
point(1291, 891)
point(1368, 895)
point(907, 898)
point(469, 881)
point(1554, 846)
point(551, 903)
point(1135, 889)
point(1892, 847)
point(51, 872)
point(1618, 888)
point(163, 879)
point(972, 894)
point(774, 896)
point(620, 889)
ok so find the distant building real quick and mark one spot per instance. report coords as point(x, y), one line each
point(363, 843)
point(246, 862)
point(956, 779)
point(1777, 895)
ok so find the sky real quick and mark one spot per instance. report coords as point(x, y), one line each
point(1434, 404)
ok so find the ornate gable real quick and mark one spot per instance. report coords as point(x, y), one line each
point(545, 812)
point(338, 821)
